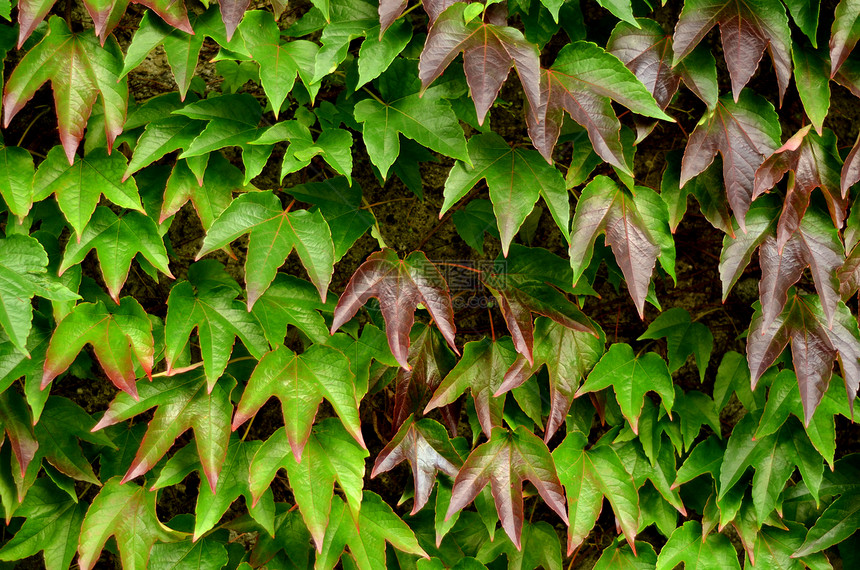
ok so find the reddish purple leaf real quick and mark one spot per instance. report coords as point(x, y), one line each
point(844, 33)
point(424, 443)
point(481, 370)
point(814, 348)
point(430, 361)
point(519, 297)
point(647, 52)
point(851, 169)
point(814, 161)
point(184, 402)
point(744, 133)
point(489, 52)
point(231, 14)
point(815, 245)
point(507, 460)
point(747, 30)
point(605, 207)
point(849, 274)
point(400, 286)
point(389, 11)
point(121, 337)
point(584, 80)
point(568, 355)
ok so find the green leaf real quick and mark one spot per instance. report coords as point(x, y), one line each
point(589, 475)
point(686, 546)
point(184, 402)
point(126, 512)
point(366, 535)
point(182, 49)
point(210, 198)
point(280, 63)
point(23, 269)
point(481, 370)
point(330, 455)
point(695, 410)
point(683, 338)
point(376, 55)
point(291, 301)
point(812, 77)
point(275, 232)
point(204, 554)
point(117, 240)
point(120, 336)
point(16, 180)
point(80, 70)
point(838, 521)
point(473, 220)
point(539, 549)
point(631, 377)
point(621, 9)
point(52, 524)
point(619, 556)
point(516, 178)
point(300, 382)
point(429, 120)
point(79, 186)
point(207, 302)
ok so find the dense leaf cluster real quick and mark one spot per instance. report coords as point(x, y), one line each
point(139, 386)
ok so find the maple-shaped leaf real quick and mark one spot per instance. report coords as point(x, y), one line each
point(814, 347)
point(80, 70)
point(489, 53)
point(17, 425)
point(774, 458)
point(280, 63)
point(79, 187)
point(814, 161)
point(815, 244)
point(126, 512)
point(430, 360)
point(738, 249)
point(184, 402)
point(424, 443)
point(233, 482)
point(606, 207)
point(684, 338)
point(52, 521)
point(117, 240)
point(540, 548)
point(687, 546)
point(300, 382)
point(427, 118)
point(210, 199)
point(16, 180)
point(783, 400)
point(620, 556)
point(745, 132)
point(275, 232)
point(481, 370)
point(207, 302)
point(121, 337)
point(400, 286)
point(584, 80)
point(589, 475)
point(23, 275)
point(365, 535)
point(181, 47)
point(631, 376)
point(844, 34)
point(330, 455)
point(747, 30)
point(568, 354)
point(516, 178)
point(506, 461)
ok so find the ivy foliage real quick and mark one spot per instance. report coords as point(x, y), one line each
point(483, 395)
